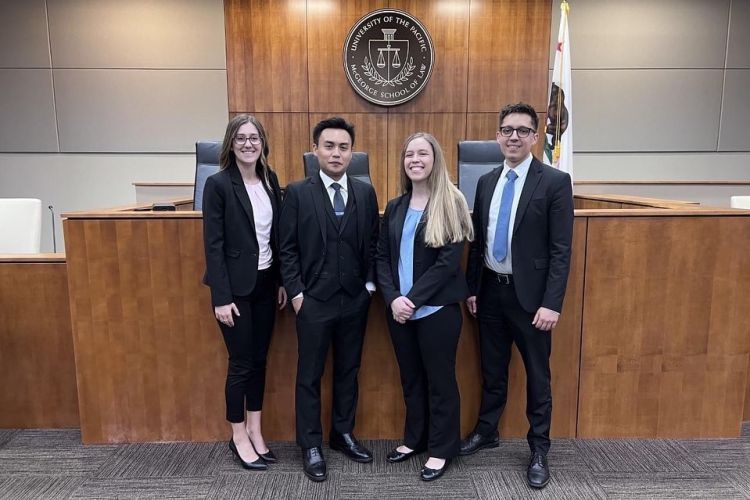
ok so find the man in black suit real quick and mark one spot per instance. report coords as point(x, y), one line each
point(517, 273)
point(329, 233)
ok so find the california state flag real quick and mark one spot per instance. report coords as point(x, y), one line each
point(558, 143)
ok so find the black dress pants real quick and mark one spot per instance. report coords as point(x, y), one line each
point(502, 321)
point(426, 353)
point(340, 322)
point(247, 344)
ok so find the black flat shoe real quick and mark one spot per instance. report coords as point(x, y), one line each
point(428, 474)
point(395, 456)
point(267, 457)
point(259, 464)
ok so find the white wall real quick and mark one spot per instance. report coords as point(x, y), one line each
point(96, 95)
point(660, 91)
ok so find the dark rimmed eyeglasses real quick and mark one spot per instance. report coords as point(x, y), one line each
point(241, 139)
point(522, 132)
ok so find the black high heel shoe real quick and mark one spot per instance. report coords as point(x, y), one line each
point(267, 457)
point(259, 464)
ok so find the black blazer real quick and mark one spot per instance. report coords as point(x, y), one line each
point(438, 278)
point(229, 238)
point(302, 231)
point(542, 236)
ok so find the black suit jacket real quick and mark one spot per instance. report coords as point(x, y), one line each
point(542, 235)
point(229, 238)
point(438, 279)
point(302, 229)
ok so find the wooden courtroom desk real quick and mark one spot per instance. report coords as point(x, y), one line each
point(37, 369)
point(652, 327)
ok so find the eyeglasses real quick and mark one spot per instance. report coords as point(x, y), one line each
point(522, 132)
point(241, 139)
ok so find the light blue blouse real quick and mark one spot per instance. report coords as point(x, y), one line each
point(406, 260)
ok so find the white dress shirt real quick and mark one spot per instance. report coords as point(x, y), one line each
point(505, 266)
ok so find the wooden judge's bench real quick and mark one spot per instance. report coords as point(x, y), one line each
point(117, 335)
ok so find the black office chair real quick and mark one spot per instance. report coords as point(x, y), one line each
point(359, 168)
point(206, 163)
point(476, 158)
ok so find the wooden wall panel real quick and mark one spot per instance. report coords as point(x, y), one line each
point(328, 23)
point(266, 55)
point(448, 25)
point(289, 138)
point(37, 367)
point(665, 327)
point(448, 129)
point(371, 136)
point(508, 53)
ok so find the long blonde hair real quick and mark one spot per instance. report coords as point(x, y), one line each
point(448, 219)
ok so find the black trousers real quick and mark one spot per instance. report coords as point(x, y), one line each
point(340, 322)
point(247, 344)
point(502, 321)
point(426, 353)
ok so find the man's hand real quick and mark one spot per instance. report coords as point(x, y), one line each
point(281, 298)
point(297, 304)
point(224, 313)
point(545, 319)
point(402, 308)
point(471, 305)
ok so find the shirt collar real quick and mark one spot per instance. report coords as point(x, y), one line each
point(521, 169)
point(327, 181)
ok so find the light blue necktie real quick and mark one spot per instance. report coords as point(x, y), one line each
point(338, 200)
point(500, 247)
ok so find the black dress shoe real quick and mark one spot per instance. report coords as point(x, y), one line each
point(475, 442)
point(537, 473)
point(395, 456)
point(267, 457)
point(258, 464)
point(349, 446)
point(427, 474)
point(313, 464)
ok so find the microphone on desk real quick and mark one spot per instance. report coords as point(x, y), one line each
point(54, 240)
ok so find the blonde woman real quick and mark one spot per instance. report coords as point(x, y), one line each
point(418, 267)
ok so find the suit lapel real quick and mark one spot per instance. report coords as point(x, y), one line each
point(532, 181)
point(397, 225)
point(489, 190)
point(241, 193)
point(317, 195)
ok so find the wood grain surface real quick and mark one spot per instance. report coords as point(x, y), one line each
point(37, 368)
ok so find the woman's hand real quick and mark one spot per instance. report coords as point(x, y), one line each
point(402, 308)
point(224, 313)
point(282, 298)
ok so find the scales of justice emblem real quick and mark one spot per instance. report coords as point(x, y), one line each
point(389, 63)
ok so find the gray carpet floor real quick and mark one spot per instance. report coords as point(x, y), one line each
point(52, 464)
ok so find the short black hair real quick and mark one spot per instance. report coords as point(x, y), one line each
point(522, 108)
point(333, 122)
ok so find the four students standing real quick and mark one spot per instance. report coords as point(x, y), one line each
point(326, 239)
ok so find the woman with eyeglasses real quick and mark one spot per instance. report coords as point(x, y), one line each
point(418, 267)
point(241, 206)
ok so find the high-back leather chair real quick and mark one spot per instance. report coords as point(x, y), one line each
point(206, 163)
point(476, 158)
point(359, 167)
point(20, 225)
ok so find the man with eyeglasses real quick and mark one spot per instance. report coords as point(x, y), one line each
point(517, 273)
point(329, 232)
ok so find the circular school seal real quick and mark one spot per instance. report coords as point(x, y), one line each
point(388, 57)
